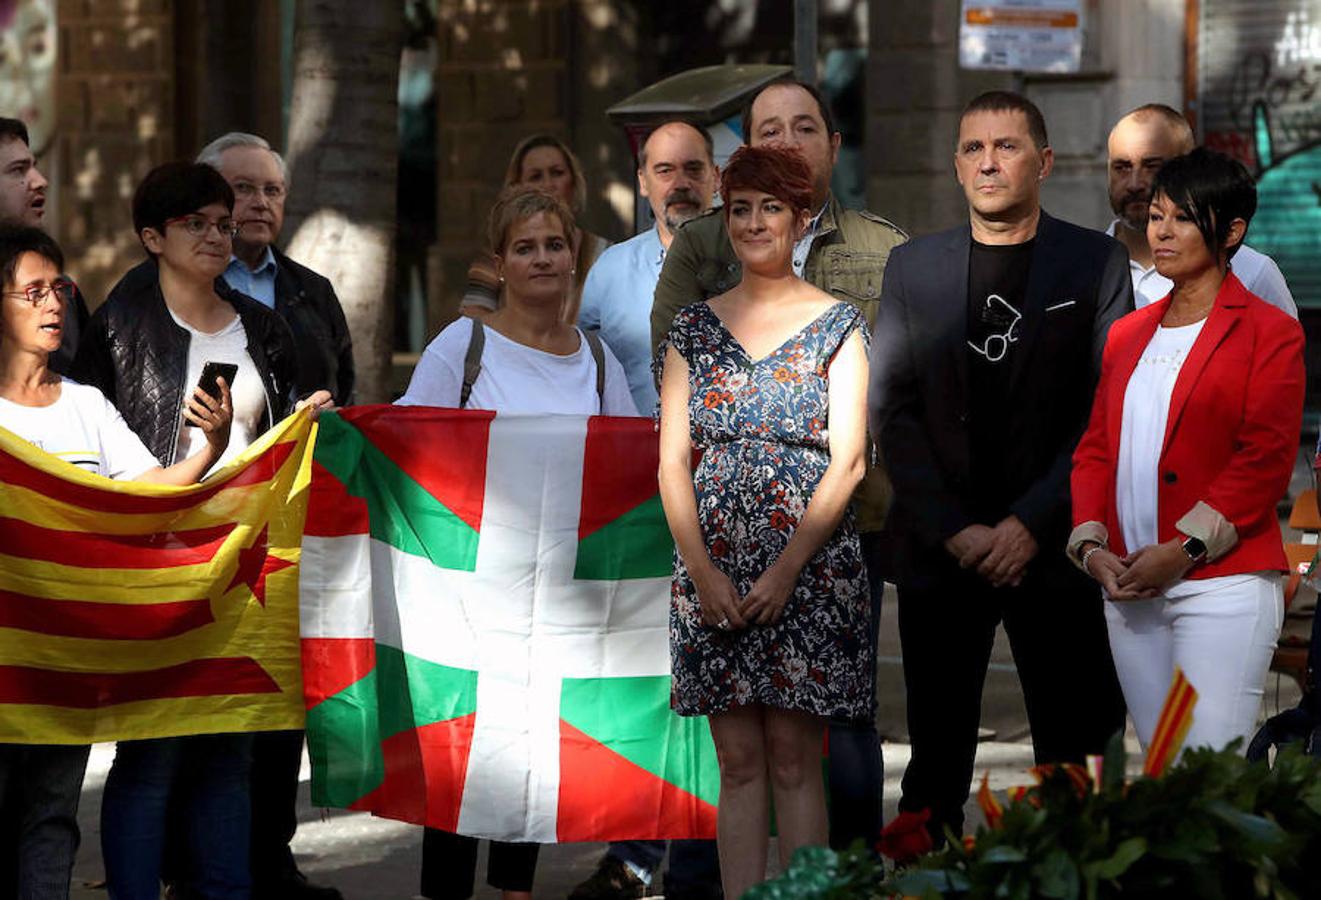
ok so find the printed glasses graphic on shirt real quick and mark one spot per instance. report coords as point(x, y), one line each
point(999, 315)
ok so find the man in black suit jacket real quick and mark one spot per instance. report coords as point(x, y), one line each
point(986, 352)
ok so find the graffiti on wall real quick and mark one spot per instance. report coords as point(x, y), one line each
point(1262, 105)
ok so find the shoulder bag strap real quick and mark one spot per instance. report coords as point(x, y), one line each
point(472, 361)
point(598, 356)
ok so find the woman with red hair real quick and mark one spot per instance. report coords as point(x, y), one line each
point(769, 621)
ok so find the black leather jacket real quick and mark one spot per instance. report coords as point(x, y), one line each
point(138, 356)
point(307, 303)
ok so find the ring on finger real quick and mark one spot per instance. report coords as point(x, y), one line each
point(723, 624)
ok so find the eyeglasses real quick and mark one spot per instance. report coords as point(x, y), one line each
point(36, 294)
point(197, 226)
point(272, 192)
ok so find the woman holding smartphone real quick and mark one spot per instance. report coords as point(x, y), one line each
point(40, 784)
point(145, 350)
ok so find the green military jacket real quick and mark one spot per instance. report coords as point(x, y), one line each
point(847, 260)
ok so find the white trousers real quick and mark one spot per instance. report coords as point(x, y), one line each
point(1222, 638)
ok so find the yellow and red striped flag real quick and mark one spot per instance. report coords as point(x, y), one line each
point(1176, 717)
point(133, 610)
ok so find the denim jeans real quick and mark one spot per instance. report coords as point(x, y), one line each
point(39, 791)
point(206, 779)
point(694, 865)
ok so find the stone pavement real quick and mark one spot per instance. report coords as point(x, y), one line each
point(376, 859)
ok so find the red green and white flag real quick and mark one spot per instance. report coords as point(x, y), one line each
point(485, 607)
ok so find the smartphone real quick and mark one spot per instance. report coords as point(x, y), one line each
point(211, 372)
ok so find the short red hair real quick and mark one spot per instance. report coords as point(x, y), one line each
point(778, 171)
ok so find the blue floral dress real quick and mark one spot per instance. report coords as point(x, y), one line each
point(761, 428)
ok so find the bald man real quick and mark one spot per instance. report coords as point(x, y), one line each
point(1140, 143)
point(677, 176)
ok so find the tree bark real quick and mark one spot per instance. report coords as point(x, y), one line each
point(343, 159)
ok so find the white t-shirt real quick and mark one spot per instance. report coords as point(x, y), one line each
point(248, 396)
point(1141, 440)
point(1256, 270)
point(516, 379)
point(82, 428)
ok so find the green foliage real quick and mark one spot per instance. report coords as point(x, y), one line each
point(1214, 826)
point(822, 874)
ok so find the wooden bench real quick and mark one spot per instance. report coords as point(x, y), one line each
point(1291, 651)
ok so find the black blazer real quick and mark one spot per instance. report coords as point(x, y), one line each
point(918, 396)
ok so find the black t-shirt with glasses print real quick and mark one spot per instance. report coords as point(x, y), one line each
point(997, 289)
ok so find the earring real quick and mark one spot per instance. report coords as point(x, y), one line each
point(573, 271)
point(502, 278)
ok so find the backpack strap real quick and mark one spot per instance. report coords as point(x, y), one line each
point(472, 361)
point(598, 356)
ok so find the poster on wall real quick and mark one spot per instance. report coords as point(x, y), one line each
point(1258, 98)
point(1021, 35)
point(27, 67)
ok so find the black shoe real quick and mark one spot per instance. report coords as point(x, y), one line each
point(294, 886)
point(612, 880)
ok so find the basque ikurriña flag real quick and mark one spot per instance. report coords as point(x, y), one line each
point(485, 628)
point(134, 610)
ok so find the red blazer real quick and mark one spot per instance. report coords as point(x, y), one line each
point(1233, 430)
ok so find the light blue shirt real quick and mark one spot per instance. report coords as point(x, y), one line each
point(258, 283)
point(617, 301)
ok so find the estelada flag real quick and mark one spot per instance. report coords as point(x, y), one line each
point(1176, 717)
point(135, 610)
point(485, 628)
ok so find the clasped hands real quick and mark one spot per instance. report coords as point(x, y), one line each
point(1142, 574)
point(724, 609)
point(1000, 554)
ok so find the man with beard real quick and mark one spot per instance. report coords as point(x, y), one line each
point(1140, 143)
point(23, 202)
point(677, 174)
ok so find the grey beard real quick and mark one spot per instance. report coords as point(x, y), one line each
point(674, 219)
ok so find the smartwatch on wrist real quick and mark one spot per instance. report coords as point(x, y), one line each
point(1195, 549)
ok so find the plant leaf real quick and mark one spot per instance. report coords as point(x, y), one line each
point(1003, 854)
point(1114, 763)
point(1255, 828)
point(1057, 876)
point(1127, 853)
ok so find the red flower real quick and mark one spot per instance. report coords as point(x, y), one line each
point(906, 838)
point(719, 548)
point(711, 399)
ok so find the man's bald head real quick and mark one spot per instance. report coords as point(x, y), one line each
point(677, 173)
point(1139, 144)
point(1156, 115)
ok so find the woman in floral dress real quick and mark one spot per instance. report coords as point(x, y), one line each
point(769, 625)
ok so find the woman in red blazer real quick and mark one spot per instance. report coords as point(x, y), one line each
point(1190, 445)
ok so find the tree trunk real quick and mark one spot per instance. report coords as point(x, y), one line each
point(343, 157)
